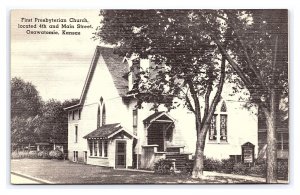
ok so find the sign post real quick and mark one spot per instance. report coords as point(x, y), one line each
point(248, 153)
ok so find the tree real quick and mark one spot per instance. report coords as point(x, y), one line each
point(23, 131)
point(54, 123)
point(54, 127)
point(25, 109)
point(187, 65)
point(25, 99)
point(258, 53)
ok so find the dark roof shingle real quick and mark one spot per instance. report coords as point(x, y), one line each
point(117, 69)
point(104, 131)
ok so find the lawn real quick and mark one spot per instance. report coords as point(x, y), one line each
point(66, 172)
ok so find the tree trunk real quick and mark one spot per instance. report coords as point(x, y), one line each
point(271, 140)
point(199, 154)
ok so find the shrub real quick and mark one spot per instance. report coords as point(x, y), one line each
point(259, 169)
point(188, 167)
point(33, 154)
point(283, 169)
point(19, 155)
point(227, 165)
point(43, 154)
point(56, 154)
point(164, 166)
point(240, 168)
point(212, 165)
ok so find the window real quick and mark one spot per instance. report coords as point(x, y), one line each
point(218, 125)
point(98, 148)
point(91, 147)
point(95, 148)
point(282, 140)
point(213, 128)
point(75, 156)
point(98, 117)
point(105, 149)
point(103, 115)
point(223, 127)
point(73, 115)
point(79, 114)
point(223, 107)
point(135, 121)
point(76, 134)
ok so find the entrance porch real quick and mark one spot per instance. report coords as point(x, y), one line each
point(110, 146)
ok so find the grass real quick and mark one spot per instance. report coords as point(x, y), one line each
point(66, 172)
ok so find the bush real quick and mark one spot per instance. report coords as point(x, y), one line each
point(19, 155)
point(283, 169)
point(212, 165)
point(259, 169)
point(43, 154)
point(56, 154)
point(33, 154)
point(188, 168)
point(227, 165)
point(164, 166)
point(240, 168)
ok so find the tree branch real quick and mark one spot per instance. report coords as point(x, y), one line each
point(218, 93)
point(274, 61)
point(234, 65)
point(189, 103)
point(196, 100)
point(206, 99)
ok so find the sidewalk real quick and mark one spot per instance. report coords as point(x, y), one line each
point(244, 177)
point(20, 178)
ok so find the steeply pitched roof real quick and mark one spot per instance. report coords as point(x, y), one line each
point(104, 131)
point(117, 69)
point(116, 66)
point(158, 115)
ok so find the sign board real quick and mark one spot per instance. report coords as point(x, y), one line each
point(248, 153)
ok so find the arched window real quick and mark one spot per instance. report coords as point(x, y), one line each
point(223, 107)
point(103, 115)
point(98, 117)
point(218, 133)
point(223, 123)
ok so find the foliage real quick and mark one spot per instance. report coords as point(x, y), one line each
point(33, 120)
point(164, 167)
point(259, 169)
point(44, 154)
point(258, 53)
point(211, 164)
point(283, 169)
point(240, 168)
point(56, 154)
point(54, 124)
point(25, 99)
point(19, 155)
point(227, 165)
point(185, 67)
point(23, 130)
point(32, 154)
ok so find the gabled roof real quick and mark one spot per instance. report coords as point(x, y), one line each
point(158, 116)
point(117, 68)
point(107, 131)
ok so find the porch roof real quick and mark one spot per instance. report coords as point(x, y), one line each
point(107, 131)
point(159, 117)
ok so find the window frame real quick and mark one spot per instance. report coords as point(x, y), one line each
point(219, 113)
point(99, 146)
point(76, 134)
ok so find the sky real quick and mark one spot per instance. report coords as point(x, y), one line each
point(56, 64)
